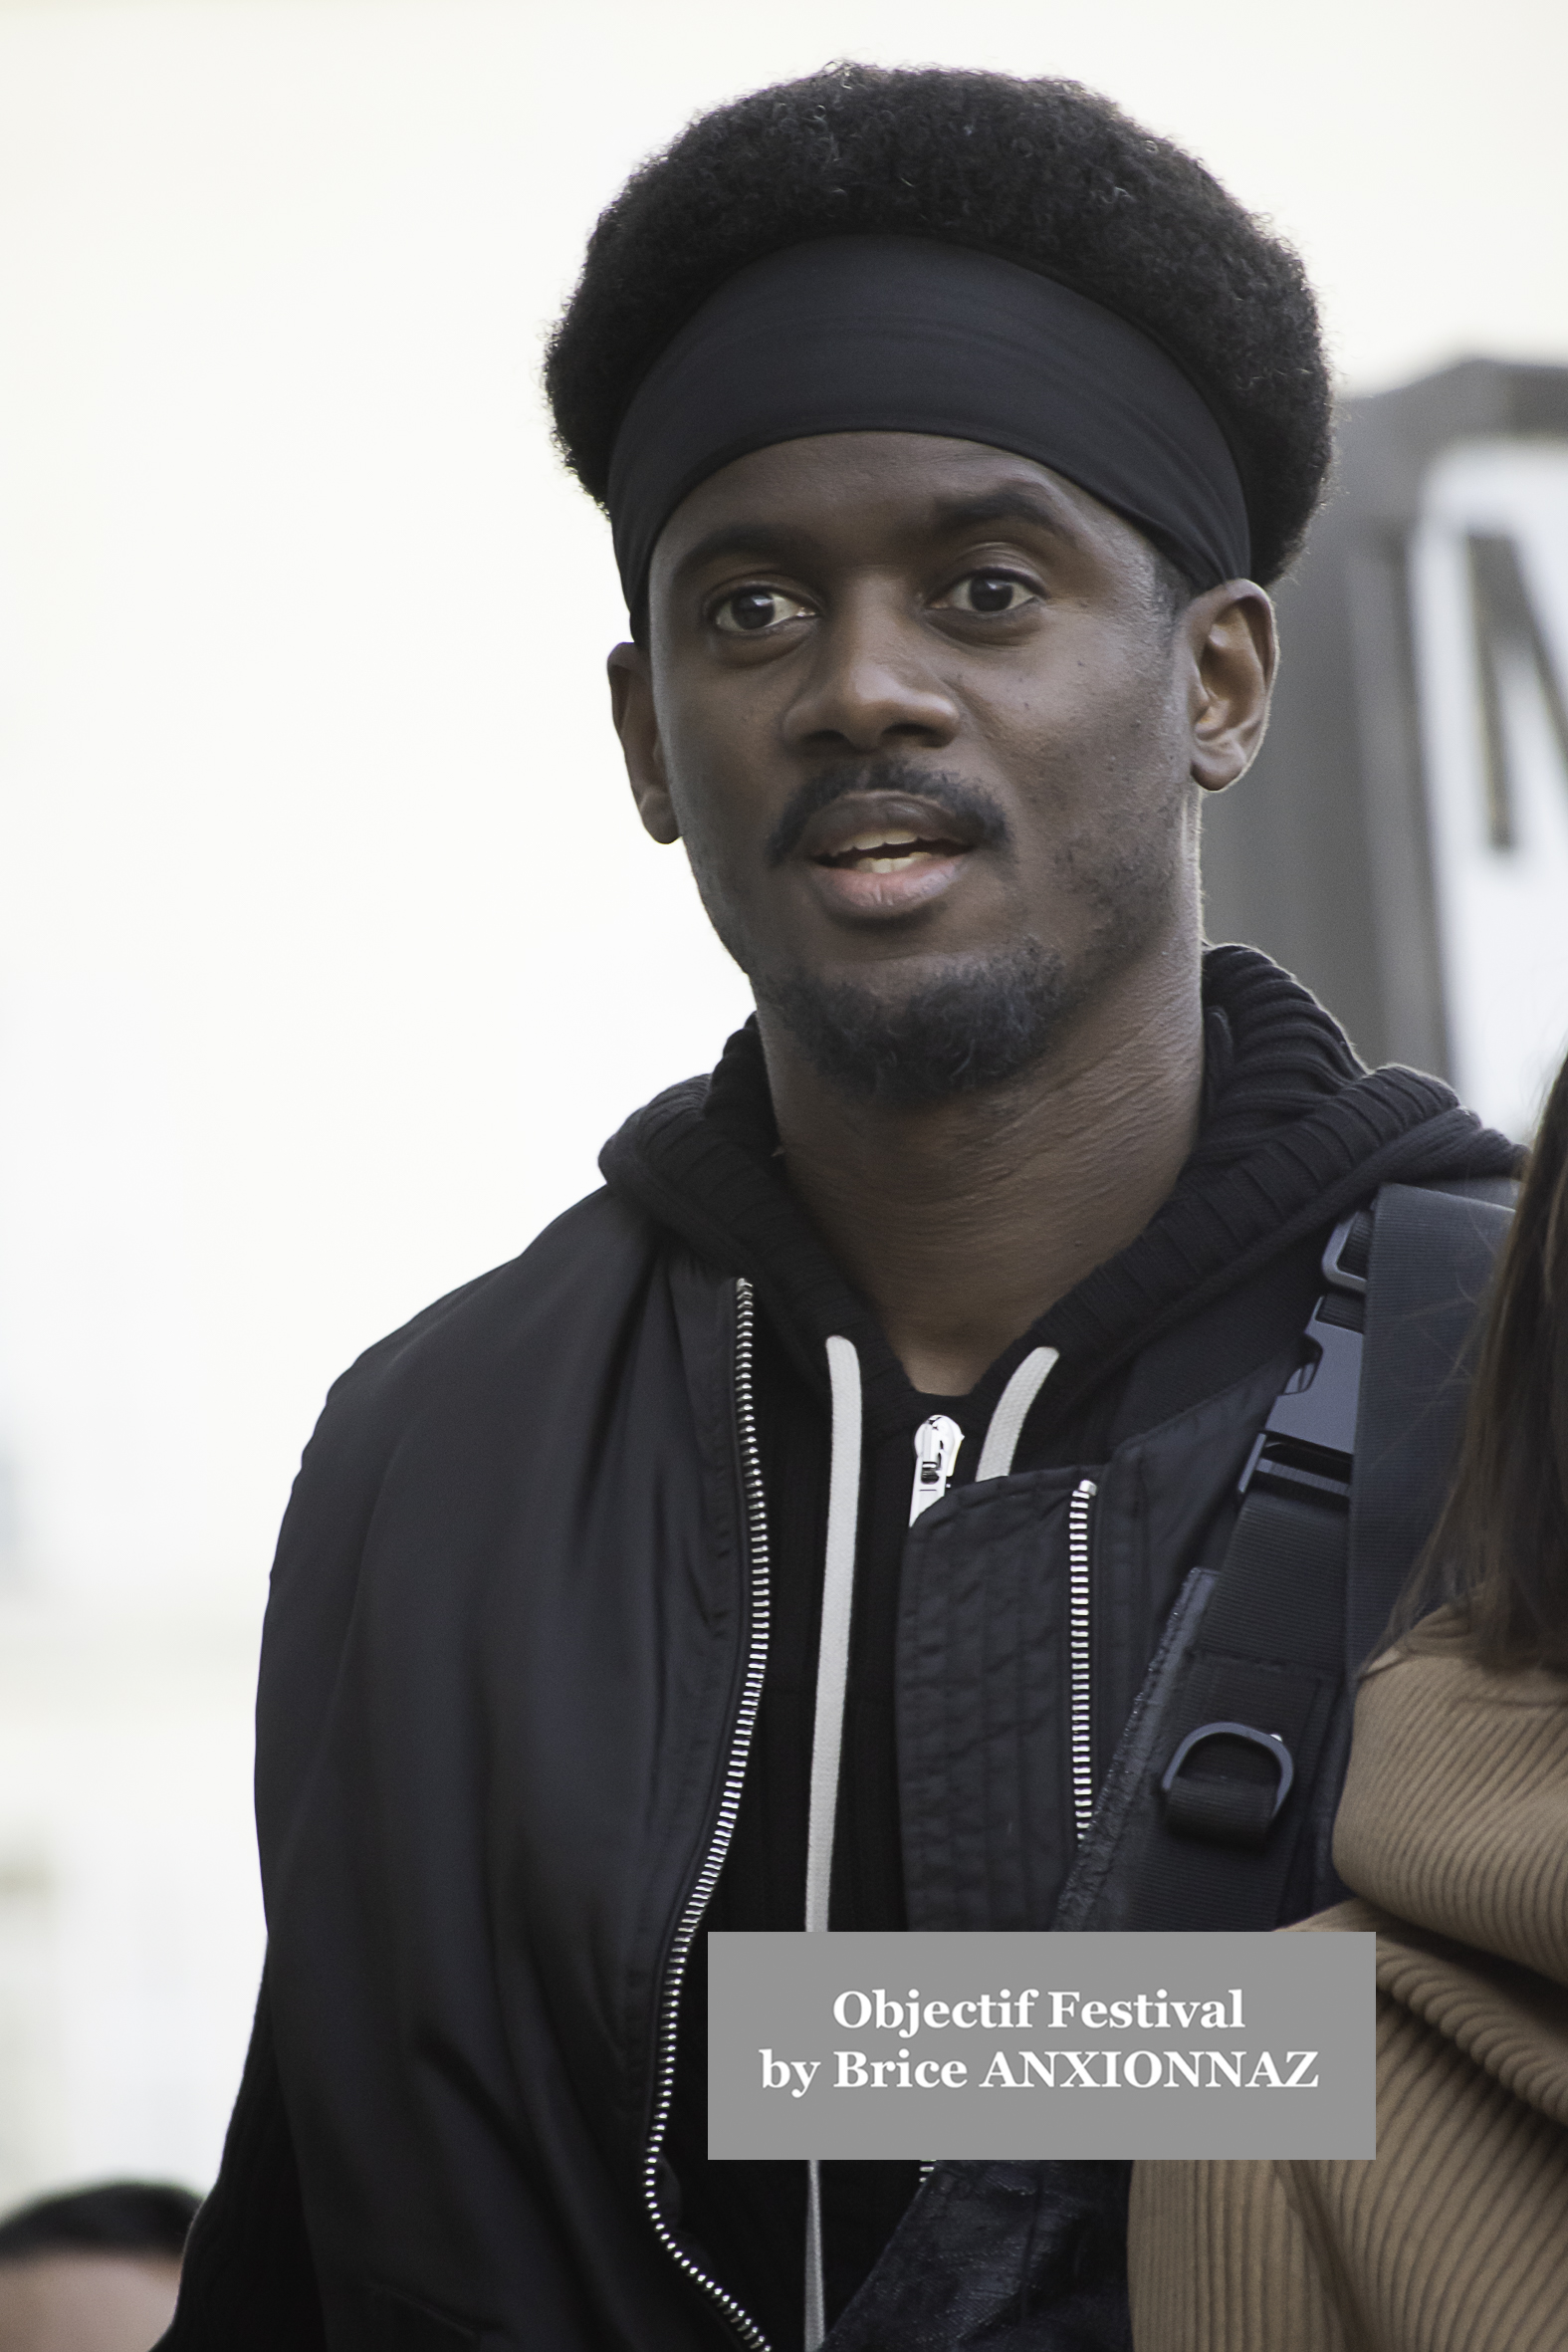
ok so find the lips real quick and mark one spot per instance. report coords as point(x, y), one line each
point(886, 853)
point(892, 850)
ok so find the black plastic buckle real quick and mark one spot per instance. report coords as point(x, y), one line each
point(1309, 1438)
point(1226, 1810)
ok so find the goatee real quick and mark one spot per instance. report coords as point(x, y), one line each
point(978, 1025)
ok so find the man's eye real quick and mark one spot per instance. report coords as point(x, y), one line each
point(747, 611)
point(990, 591)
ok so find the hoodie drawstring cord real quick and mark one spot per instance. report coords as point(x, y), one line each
point(832, 1672)
point(1006, 1422)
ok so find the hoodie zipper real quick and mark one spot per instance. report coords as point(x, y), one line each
point(937, 1444)
point(1078, 1654)
point(746, 2328)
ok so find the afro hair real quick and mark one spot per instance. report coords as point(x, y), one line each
point(1045, 172)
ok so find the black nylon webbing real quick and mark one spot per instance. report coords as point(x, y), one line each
point(1268, 1655)
point(1274, 1639)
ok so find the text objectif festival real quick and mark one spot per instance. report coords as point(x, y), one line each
point(1139, 2068)
point(816, 2048)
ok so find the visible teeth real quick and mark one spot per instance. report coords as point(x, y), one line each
point(882, 865)
point(888, 838)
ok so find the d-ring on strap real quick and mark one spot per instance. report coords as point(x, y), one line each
point(1240, 1811)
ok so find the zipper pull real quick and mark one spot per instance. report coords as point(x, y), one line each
point(937, 1442)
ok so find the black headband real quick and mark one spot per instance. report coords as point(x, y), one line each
point(904, 334)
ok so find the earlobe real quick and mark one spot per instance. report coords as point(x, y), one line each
point(1235, 651)
point(636, 723)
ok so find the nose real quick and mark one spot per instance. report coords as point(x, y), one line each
point(871, 684)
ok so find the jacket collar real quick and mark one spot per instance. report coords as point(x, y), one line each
point(1295, 1131)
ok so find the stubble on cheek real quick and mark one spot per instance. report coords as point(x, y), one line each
point(1114, 818)
point(716, 854)
point(1124, 882)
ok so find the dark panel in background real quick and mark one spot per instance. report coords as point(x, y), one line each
point(1321, 854)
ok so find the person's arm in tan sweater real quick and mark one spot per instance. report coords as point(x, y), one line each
point(1222, 2263)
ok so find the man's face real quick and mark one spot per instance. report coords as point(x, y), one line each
point(922, 713)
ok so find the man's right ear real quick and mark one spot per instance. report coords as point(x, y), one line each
point(637, 725)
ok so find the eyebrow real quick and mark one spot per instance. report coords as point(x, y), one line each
point(773, 543)
point(1013, 501)
point(764, 540)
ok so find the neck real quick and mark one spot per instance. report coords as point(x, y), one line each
point(964, 1221)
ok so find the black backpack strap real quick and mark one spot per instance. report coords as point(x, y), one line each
point(1235, 1748)
point(1211, 1784)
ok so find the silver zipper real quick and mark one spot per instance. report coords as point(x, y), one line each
point(937, 1443)
point(707, 1879)
point(1078, 1653)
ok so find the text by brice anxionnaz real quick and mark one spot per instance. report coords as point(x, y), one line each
point(1014, 2065)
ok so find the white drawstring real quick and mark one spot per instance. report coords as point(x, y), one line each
point(832, 1653)
point(815, 2308)
point(1006, 1422)
point(827, 1731)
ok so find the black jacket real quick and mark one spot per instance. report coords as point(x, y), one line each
point(513, 1646)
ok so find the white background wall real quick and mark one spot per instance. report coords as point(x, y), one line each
point(328, 948)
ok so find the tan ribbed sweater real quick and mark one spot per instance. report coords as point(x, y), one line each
point(1453, 1830)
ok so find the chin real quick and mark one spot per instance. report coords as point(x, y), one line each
point(979, 1021)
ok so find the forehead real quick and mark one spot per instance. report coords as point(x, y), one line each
point(881, 493)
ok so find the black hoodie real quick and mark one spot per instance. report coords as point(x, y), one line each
point(514, 1617)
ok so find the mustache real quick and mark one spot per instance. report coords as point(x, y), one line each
point(981, 815)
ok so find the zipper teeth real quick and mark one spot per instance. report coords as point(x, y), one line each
point(724, 1828)
point(1078, 1653)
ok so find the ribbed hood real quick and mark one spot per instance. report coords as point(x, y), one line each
point(1295, 1131)
point(1454, 1828)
